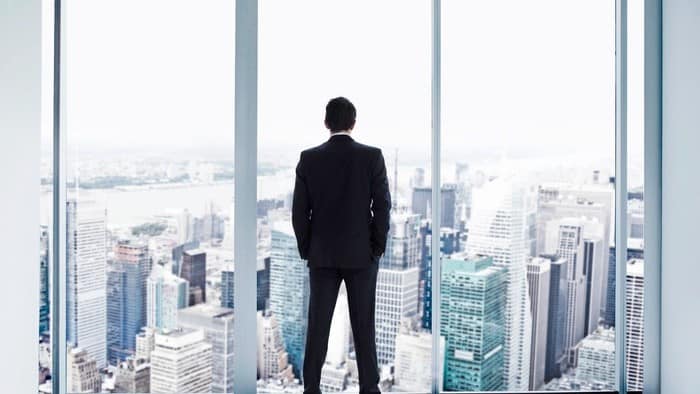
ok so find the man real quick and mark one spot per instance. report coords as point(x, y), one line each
point(340, 215)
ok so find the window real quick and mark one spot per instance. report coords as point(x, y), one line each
point(527, 270)
point(528, 152)
point(377, 54)
point(149, 122)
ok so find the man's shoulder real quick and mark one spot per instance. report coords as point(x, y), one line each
point(367, 148)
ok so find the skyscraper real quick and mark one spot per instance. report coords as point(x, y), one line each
point(289, 292)
point(498, 229)
point(449, 244)
point(228, 275)
point(635, 250)
point(472, 303)
point(413, 359)
point(420, 203)
point(538, 279)
point(634, 320)
point(397, 282)
point(593, 263)
point(181, 362)
point(217, 324)
point(126, 298)
point(570, 247)
point(194, 271)
point(555, 360)
point(86, 318)
point(596, 359)
point(44, 301)
point(166, 293)
point(273, 361)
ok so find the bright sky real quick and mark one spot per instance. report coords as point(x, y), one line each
point(519, 77)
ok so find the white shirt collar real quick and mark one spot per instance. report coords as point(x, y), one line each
point(345, 132)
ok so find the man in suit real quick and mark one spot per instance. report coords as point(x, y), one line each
point(340, 215)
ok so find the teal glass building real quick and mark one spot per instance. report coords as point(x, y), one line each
point(472, 321)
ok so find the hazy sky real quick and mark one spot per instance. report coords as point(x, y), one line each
point(519, 77)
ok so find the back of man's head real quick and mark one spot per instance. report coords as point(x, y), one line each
point(340, 115)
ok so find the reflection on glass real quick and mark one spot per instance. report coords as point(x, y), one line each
point(381, 62)
point(527, 143)
point(149, 128)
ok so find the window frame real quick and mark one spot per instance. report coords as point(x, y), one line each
point(245, 159)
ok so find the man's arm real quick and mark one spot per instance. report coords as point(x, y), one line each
point(301, 211)
point(380, 207)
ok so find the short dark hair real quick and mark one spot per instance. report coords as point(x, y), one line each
point(340, 114)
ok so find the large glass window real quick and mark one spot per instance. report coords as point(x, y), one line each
point(527, 164)
point(377, 54)
point(149, 122)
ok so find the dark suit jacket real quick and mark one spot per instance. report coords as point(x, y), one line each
point(340, 211)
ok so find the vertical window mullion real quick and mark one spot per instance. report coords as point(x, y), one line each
point(620, 188)
point(58, 274)
point(245, 195)
point(435, 195)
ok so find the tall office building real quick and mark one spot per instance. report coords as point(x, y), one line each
point(165, 294)
point(555, 360)
point(421, 198)
point(594, 201)
point(472, 320)
point(596, 360)
point(86, 282)
point(181, 363)
point(538, 279)
point(289, 291)
point(273, 360)
point(498, 229)
point(44, 300)
point(82, 370)
point(449, 244)
point(194, 271)
point(634, 320)
point(127, 275)
point(397, 282)
point(594, 257)
point(228, 275)
point(217, 324)
point(635, 250)
point(570, 247)
point(413, 359)
point(145, 342)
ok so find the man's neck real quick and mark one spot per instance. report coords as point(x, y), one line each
point(342, 132)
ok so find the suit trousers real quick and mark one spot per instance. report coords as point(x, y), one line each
point(361, 286)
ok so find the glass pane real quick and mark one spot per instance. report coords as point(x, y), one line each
point(528, 149)
point(150, 125)
point(377, 54)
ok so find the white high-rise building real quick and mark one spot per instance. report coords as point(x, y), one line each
point(145, 342)
point(413, 360)
point(82, 371)
point(538, 278)
point(166, 293)
point(596, 360)
point(499, 229)
point(634, 328)
point(570, 241)
point(217, 324)
point(273, 362)
point(339, 335)
point(181, 362)
point(397, 282)
point(86, 284)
